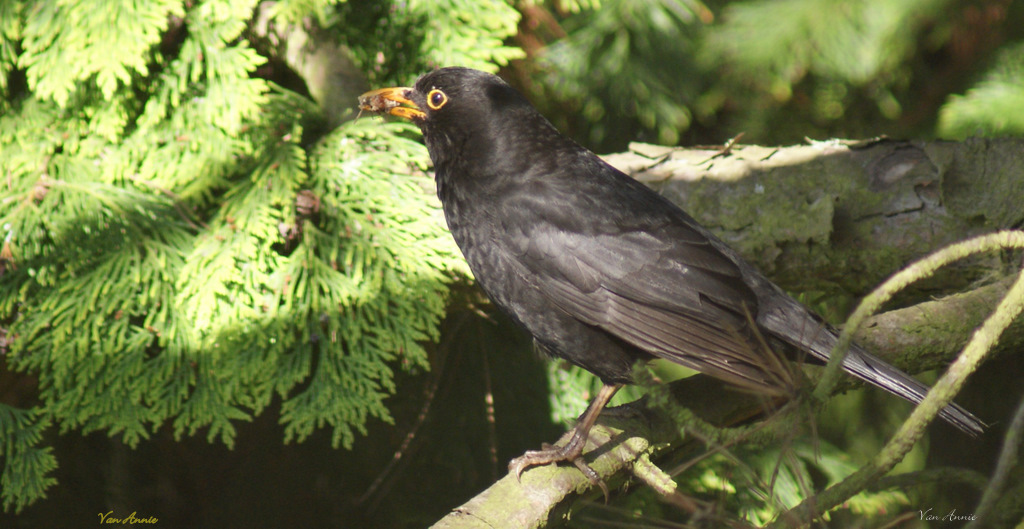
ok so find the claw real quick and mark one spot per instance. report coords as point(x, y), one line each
point(591, 475)
point(573, 449)
point(547, 455)
point(572, 452)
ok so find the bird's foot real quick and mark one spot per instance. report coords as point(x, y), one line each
point(572, 452)
point(573, 449)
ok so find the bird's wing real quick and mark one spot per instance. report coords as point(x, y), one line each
point(661, 287)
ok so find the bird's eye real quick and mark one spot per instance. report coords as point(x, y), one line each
point(436, 99)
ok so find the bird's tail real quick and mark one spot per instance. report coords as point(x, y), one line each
point(874, 371)
point(785, 318)
point(877, 372)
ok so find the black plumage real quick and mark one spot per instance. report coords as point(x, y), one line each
point(598, 268)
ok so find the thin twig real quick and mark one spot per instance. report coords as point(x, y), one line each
point(921, 269)
point(492, 433)
point(428, 399)
point(1007, 461)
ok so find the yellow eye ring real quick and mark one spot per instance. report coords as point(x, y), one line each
point(436, 99)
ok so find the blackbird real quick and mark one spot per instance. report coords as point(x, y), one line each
point(598, 268)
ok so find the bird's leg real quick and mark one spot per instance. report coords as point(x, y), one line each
point(572, 450)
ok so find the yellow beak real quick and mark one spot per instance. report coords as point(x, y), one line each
point(390, 100)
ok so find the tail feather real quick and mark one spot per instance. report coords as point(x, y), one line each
point(878, 373)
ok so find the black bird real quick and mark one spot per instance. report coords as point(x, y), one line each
point(598, 268)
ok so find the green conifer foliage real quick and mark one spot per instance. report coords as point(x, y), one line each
point(989, 107)
point(179, 248)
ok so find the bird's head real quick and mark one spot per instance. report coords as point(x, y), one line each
point(465, 114)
